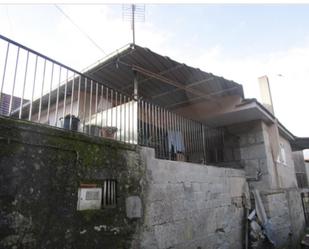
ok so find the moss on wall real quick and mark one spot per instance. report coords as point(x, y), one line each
point(41, 169)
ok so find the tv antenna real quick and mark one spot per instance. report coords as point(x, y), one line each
point(133, 13)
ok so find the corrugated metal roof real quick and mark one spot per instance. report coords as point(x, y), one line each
point(117, 73)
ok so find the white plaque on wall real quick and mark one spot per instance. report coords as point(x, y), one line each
point(89, 198)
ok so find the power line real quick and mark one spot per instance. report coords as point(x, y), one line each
point(80, 29)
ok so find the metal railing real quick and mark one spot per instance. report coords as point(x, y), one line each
point(39, 89)
point(177, 138)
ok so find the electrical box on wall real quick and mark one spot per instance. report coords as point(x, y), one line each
point(89, 198)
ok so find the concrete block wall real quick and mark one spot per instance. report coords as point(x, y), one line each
point(285, 211)
point(192, 206)
point(253, 152)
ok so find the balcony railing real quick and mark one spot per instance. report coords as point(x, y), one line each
point(42, 90)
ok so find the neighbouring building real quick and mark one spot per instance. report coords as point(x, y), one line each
point(172, 157)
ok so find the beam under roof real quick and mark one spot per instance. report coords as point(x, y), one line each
point(171, 82)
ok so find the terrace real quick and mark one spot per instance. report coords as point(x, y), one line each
point(134, 96)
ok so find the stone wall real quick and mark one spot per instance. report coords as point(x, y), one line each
point(192, 206)
point(41, 169)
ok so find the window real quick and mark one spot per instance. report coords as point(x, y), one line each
point(109, 193)
point(282, 155)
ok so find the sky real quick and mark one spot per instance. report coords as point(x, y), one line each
point(240, 42)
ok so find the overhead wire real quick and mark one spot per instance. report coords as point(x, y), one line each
point(80, 29)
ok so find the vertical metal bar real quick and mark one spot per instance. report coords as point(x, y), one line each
point(204, 144)
point(42, 89)
point(104, 193)
point(171, 129)
point(155, 128)
point(164, 132)
point(65, 94)
point(167, 134)
point(14, 82)
point(107, 108)
point(57, 100)
point(191, 138)
point(113, 192)
point(133, 120)
point(147, 124)
point(186, 137)
point(110, 192)
point(50, 90)
point(102, 103)
point(85, 100)
point(159, 131)
point(202, 141)
point(72, 100)
point(24, 85)
point(107, 192)
point(4, 70)
point(175, 133)
point(125, 118)
point(183, 133)
point(96, 105)
point(90, 106)
point(78, 95)
point(179, 134)
point(129, 120)
point(116, 110)
point(112, 111)
point(152, 125)
point(195, 138)
point(198, 138)
point(138, 121)
point(120, 117)
point(142, 139)
point(34, 78)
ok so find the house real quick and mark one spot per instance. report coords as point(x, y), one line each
point(213, 141)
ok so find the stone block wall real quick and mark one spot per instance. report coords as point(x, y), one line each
point(41, 169)
point(253, 154)
point(192, 206)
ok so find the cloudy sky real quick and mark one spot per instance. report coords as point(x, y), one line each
point(238, 42)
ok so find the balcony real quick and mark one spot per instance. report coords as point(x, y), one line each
point(149, 109)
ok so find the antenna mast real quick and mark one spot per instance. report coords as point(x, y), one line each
point(133, 13)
